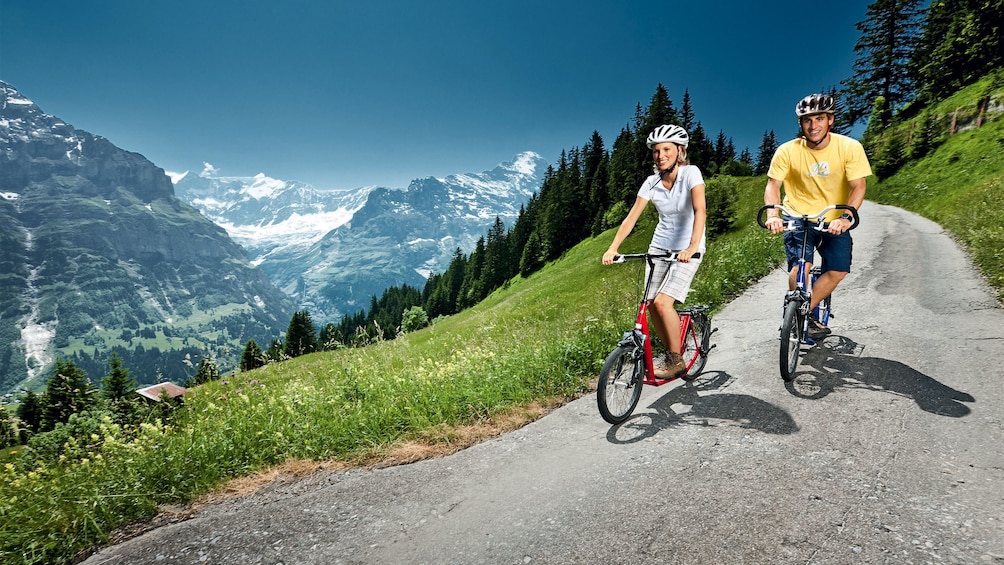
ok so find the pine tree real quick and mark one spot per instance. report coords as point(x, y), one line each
point(252, 357)
point(30, 411)
point(721, 152)
point(496, 257)
point(471, 291)
point(768, 145)
point(687, 113)
point(119, 388)
point(660, 112)
point(68, 392)
point(207, 371)
point(8, 430)
point(328, 340)
point(841, 120)
point(275, 349)
point(746, 158)
point(532, 258)
point(301, 336)
point(701, 150)
point(595, 180)
point(962, 40)
point(117, 384)
point(883, 67)
point(623, 182)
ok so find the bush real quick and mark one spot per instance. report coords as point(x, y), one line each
point(721, 195)
point(414, 318)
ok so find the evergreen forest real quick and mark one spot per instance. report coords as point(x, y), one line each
point(923, 74)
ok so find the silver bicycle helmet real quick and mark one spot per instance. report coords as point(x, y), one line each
point(668, 134)
point(815, 104)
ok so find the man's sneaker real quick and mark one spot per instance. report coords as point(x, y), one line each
point(672, 366)
point(817, 331)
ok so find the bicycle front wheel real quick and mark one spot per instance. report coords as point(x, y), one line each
point(791, 339)
point(695, 346)
point(619, 387)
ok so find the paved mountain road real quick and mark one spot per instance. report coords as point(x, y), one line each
point(886, 449)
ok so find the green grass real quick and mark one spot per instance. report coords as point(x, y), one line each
point(538, 340)
point(961, 187)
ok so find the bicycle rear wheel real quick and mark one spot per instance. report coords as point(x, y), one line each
point(695, 346)
point(791, 340)
point(619, 387)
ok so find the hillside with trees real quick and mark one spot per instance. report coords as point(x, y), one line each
point(523, 321)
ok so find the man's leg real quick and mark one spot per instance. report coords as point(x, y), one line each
point(824, 286)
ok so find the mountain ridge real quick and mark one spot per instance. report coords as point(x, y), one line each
point(331, 251)
point(99, 255)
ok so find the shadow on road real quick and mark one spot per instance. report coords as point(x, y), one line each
point(694, 409)
point(835, 363)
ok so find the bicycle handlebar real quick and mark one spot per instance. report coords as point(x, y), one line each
point(662, 256)
point(820, 225)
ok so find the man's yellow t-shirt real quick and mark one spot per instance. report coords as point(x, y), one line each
point(814, 179)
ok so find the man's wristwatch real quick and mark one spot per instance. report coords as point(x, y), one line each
point(846, 216)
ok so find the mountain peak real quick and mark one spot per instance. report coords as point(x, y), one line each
point(101, 252)
point(332, 250)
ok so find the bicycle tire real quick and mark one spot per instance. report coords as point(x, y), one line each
point(791, 340)
point(619, 387)
point(695, 346)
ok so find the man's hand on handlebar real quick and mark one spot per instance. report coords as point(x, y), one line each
point(839, 226)
point(775, 225)
point(608, 257)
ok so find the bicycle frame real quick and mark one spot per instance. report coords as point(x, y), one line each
point(804, 278)
point(641, 336)
point(795, 316)
point(630, 366)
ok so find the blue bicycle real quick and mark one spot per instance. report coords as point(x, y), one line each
point(795, 320)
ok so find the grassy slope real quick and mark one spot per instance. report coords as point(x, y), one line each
point(961, 185)
point(538, 341)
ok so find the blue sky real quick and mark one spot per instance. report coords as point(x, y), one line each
point(345, 94)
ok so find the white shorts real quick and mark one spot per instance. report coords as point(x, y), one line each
point(671, 278)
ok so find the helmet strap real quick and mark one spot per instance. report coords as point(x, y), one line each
point(666, 172)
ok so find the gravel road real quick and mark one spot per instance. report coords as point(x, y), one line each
point(886, 449)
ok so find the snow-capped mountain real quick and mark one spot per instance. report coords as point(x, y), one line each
point(265, 214)
point(99, 255)
point(331, 251)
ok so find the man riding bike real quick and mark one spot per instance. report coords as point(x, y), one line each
point(818, 169)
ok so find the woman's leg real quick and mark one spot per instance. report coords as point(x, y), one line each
point(666, 322)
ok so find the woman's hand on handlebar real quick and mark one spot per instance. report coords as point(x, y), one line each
point(685, 255)
point(608, 257)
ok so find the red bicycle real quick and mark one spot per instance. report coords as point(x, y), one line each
point(630, 365)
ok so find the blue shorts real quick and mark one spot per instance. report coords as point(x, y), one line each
point(835, 250)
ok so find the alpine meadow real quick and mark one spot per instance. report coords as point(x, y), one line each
point(512, 330)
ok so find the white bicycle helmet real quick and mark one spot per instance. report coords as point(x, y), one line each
point(815, 104)
point(668, 134)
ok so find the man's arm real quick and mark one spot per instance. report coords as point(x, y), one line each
point(772, 195)
point(855, 198)
point(857, 194)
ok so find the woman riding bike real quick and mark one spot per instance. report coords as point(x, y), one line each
point(677, 190)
